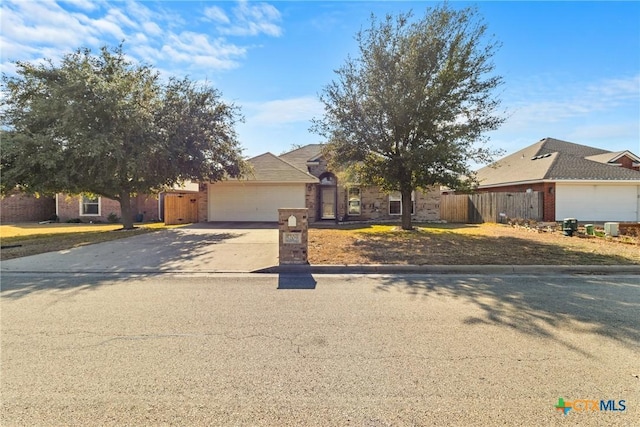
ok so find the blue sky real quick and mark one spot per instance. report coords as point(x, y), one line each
point(571, 69)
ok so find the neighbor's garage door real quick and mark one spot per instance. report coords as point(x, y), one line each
point(252, 202)
point(597, 202)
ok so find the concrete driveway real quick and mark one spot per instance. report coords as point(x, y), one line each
point(206, 247)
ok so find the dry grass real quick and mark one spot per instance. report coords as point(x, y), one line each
point(458, 244)
point(19, 240)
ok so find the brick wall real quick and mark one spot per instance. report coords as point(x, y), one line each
point(69, 208)
point(203, 202)
point(627, 162)
point(147, 205)
point(548, 190)
point(293, 252)
point(20, 207)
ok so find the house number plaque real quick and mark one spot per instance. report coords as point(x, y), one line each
point(292, 238)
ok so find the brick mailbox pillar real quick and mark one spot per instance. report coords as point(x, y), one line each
point(293, 235)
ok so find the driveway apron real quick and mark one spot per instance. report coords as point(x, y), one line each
point(222, 247)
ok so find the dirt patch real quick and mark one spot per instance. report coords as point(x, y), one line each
point(454, 244)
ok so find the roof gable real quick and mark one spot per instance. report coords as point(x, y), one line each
point(553, 159)
point(270, 168)
point(301, 156)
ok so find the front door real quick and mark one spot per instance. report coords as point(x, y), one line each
point(328, 202)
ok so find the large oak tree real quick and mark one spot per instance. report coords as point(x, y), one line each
point(411, 110)
point(103, 125)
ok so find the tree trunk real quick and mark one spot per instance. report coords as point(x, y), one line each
point(125, 208)
point(406, 209)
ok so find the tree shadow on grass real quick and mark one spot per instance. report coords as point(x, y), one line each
point(540, 306)
point(447, 248)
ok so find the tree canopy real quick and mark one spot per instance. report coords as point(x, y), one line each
point(411, 110)
point(103, 125)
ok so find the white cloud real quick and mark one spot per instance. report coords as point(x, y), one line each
point(86, 5)
point(250, 19)
point(151, 28)
point(160, 37)
point(216, 14)
point(604, 131)
point(556, 104)
point(281, 111)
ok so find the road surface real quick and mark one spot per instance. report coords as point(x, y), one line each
point(243, 349)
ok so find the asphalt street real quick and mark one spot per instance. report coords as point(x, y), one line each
point(289, 349)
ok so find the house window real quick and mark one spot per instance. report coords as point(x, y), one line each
point(354, 201)
point(395, 203)
point(90, 206)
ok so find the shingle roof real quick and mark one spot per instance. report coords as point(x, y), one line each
point(270, 168)
point(553, 159)
point(300, 156)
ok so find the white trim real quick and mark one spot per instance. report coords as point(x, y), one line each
point(564, 181)
point(57, 205)
point(99, 207)
point(393, 198)
point(349, 188)
point(256, 182)
point(597, 181)
point(625, 153)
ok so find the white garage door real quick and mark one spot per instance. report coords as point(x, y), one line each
point(252, 202)
point(597, 202)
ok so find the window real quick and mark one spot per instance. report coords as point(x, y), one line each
point(90, 206)
point(354, 201)
point(395, 203)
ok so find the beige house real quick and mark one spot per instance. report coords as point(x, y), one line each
point(300, 178)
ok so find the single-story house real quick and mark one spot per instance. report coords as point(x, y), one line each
point(149, 206)
point(300, 179)
point(587, 183)
point(98, 209)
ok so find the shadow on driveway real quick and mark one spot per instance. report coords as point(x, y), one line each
point(534, 306)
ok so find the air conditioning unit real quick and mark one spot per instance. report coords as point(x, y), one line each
point(611, 229)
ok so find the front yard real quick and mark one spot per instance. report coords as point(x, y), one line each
point(19, 240)
point(464, 244)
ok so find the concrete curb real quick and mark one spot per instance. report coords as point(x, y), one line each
point(455, 269)
point(537, 270)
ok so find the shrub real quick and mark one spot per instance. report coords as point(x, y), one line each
point(74, 221)
point(113, 218)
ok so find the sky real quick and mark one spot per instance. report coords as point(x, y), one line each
point(571, 70)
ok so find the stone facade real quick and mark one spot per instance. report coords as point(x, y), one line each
point(69, 207)
point(374, 204)
point(373, 201)
point(293, 238)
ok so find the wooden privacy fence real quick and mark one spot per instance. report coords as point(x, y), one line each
point(488, 207)
point(180, 208)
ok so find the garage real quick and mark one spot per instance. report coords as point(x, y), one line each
point(252, 201)
point(598, 201)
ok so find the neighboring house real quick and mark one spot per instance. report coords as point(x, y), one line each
point(22, 207)
point(98, 209)
point(151, 207)
point(578, 181)
point(300, 179)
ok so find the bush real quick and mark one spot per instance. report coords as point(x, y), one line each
point(74, 221)
point(113, 218)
